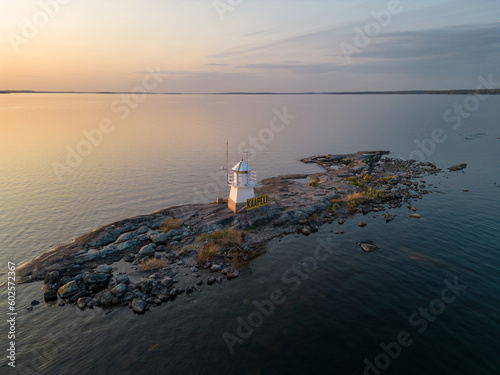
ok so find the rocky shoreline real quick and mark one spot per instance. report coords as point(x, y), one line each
point(151, 259)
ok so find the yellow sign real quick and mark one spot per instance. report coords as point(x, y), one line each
point(255, 202)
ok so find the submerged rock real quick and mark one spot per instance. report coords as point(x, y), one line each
point(138, 306)
point(457, 167)
point(368, 246)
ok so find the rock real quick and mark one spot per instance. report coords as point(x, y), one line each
point(414, 209)
point(457, 167)
point(465, 190)
point(199, 282)
point(146, 251)
point(125, 237)
point(415, 216)
point(68, 290)
point(167, 282)
point(305, 230)
point(211, 280)
point(65, 279)
point(103, 268)
point(95, 278)
point(193, 269)
point(127, 245)
point(190, 289)
point(83, 293)
point(83, 301)
point(368, 246)
point(160, 238)
point(138, 306)
point(130, 257)
point(50, 295)
point(122, 279)
point(119, 290)
point(232, 273)
point(35, 302)
point(216, 267)
point(52, 277)
point(106, 298)
point(172, 294)
point(341, 221)
point(362, 224)
point(147, 287)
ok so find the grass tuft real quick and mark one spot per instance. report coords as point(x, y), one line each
point(207, 253)
point(224, 237)
point(170, 224)
point(153, 264)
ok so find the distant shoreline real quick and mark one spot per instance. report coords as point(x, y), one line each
point(404, 92)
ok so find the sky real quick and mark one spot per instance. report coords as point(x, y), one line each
point(248, 45)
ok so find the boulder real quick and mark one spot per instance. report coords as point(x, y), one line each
point(160, 238)
point(95, 278)
point(128, 244)
point(52, 277)
point(68, 290)
point(146, 251)
point(119, 290)
point(106, 298)
point(122, 279)
point(232, 273)
point(83, 301)
point(457, 167)
point(103, 268)
point(138, 306)
point(368, 246)
point(415, 216)
point(211, 280)
point(50, 295)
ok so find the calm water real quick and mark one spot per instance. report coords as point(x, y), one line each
point(169, 150)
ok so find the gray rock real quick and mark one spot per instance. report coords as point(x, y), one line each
point(127, 245)
point(362, 224)
point(68, 289)
point(103, 268)
point(50, 295)
point(160, 238)
point(106, 298)
point(138, 306)
point(52, 277)
point(119, 290)
point(130, 257)
point(415, 216)
point(368, 246)
point(211, 280)
point(216, 267)
point(106, 237)
point(122, 279)
point(65, 279)
point(457, 167)
point(146, 251)
point(125, 237)
point(95, 278)
point(83, 301)
point(232, 273)
point(142, 237)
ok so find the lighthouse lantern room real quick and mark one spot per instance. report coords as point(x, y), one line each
point(242, 181)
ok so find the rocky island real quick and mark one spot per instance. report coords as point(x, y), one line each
point(150, 259)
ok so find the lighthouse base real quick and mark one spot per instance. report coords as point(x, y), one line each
point(236, 207)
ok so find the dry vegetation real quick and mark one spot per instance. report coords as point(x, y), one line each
point(152, 264)
point(226, 237)
point(170, 224)
point(207, 253)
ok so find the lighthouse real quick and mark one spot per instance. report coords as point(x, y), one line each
point(242, 181)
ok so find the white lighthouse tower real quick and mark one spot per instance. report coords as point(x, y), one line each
point(242, 181)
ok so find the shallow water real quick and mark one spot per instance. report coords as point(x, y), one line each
point(167, 152)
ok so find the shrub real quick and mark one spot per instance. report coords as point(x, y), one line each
point(152, 264)
point(312, 183)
